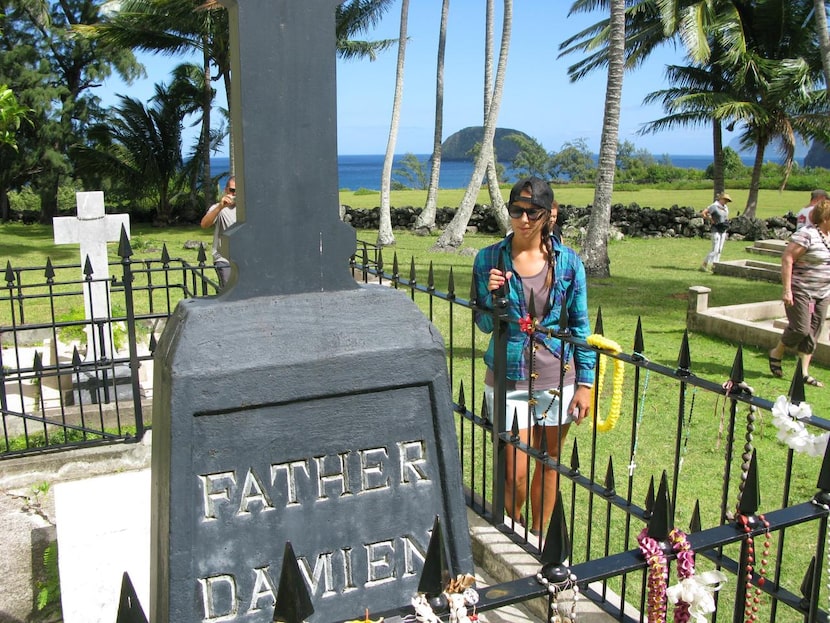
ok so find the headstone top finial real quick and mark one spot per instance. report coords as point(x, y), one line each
point(289, 237)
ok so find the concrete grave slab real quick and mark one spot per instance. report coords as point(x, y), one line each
point(103, 527)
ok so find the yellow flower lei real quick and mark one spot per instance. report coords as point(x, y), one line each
point(603, 343)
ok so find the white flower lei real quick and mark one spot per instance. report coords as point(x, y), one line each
point(791, 430)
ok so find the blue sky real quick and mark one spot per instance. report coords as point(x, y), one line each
point(538, 97)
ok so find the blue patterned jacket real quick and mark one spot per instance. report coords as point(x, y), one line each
point(569, 287)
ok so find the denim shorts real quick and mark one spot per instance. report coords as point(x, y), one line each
point(547, 406)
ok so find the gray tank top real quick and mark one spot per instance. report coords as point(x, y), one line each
point(546, 365)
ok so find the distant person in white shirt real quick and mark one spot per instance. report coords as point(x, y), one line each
point(718, 215)
point(221, 216)
point(802, 219)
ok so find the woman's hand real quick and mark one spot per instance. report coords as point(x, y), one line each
point(497, 278)
point(787, 298)
point(580, 406)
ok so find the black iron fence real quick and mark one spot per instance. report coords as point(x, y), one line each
point(693, 484)
point(76, 357)
point(683, 469)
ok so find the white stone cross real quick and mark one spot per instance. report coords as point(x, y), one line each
point(93, 229)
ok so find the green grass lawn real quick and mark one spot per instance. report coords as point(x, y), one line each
point(770, 202)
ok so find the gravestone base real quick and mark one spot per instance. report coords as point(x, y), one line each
point(324, 419)
point(100, 387)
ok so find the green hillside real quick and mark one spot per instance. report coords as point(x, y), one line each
point(459, 146)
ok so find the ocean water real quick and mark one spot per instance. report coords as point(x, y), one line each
point(364, 171)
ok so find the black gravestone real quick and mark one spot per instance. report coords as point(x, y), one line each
point(303, 409)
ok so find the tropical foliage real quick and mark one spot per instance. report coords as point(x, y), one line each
point(52, 74)
point(55, 53)
point(11, 115)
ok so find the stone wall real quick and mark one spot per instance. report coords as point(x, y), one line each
point(631, 220)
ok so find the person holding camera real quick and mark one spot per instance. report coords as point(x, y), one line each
point(221, 216)
point(548, 380)
point(718, 215)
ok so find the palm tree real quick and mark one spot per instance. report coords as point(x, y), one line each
point(141, 148)
point(385, 235)
point(174, 27)
point(496, 201)
point(453, 236)
point(820, 8)
point(696, 93)
point(426, 219)
point(177, 27)
point(595, 248)
point(353, 17)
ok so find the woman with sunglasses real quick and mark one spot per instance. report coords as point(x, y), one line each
point(221, 216)
point(548, 380)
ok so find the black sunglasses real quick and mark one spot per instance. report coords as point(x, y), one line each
point(533, 214)
point(231, 190)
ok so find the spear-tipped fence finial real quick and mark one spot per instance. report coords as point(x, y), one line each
point(598, 328)
point(125, 249)
point(485, 410)
point(514, 428)
point(737, 373)
point(451, 286)
point(751, 495)
point(684, 358)
point(293, 603)
point(436, 572)
point(660, 523)
point(574, 459)
point(462, 401)
point(694, 522)
point(9, 277)
point(610, 482)
point(88, 270)
point(639, 345)
point(796, 392)
point(557, 547)
point(648, 511)
point(129, 608)
point(531, 306)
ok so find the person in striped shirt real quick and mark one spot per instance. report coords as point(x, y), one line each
point(805, 277)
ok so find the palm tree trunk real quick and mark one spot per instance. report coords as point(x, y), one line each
point(595, 249)
point(385, 235)
point(496, 201)
point(207, 102)
point(823, 39)
point(226, 78)
point(425, 222)
point(755, 181)
point(717, 157)
point(453, 236)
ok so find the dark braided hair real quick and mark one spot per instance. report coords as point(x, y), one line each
point(549, 229)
